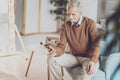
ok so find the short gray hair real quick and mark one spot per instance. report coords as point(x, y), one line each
point(76, 4)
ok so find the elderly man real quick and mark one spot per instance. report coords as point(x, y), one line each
point(80, 33)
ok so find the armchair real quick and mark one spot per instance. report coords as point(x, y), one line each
point(112, 67)
point(109, 68)
point(108, 64)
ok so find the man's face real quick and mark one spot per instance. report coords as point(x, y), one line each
point(73, 14)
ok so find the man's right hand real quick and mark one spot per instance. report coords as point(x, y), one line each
point(51, 51)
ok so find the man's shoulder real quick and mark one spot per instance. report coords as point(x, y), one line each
point(90, 23)
point(88, 20)
point(67, 24)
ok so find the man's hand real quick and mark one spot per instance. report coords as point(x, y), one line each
point(91, 68)
point(51, 51)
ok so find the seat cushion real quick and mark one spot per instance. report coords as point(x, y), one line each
point(100, 75)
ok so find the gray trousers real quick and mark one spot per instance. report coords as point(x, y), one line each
point(69, 62)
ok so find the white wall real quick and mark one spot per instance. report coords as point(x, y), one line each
point(32, 7)
point(47, 21)
point(3, 11)
point(4, 38)
point(19, 14)
point(106, 7)
point(4, 32)
point(90, 8)
point(111, 5)
point(32, 16)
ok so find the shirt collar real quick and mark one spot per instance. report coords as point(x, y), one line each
point(78, 23)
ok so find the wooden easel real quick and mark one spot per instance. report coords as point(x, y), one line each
point(29, 63)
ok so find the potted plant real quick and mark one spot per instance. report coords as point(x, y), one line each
point(59, 11)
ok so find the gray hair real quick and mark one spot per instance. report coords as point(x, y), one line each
point(76, 4)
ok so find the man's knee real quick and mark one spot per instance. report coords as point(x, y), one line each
point(50, 60)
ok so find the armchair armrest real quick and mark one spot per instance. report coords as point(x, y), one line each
point(111, 64)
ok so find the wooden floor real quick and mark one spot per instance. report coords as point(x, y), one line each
point(14, 67)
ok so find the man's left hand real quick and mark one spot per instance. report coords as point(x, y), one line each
point(91, 68)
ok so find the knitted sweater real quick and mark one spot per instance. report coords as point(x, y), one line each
point(81, 39)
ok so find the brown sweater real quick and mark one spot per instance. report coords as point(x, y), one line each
point(80, 39)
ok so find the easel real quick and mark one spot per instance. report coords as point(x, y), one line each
point(13, 28)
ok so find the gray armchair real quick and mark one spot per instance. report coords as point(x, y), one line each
point(109, 68)
point(112, 67)
point(109, 65)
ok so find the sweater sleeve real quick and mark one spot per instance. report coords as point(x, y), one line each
point(95, 49)
point(62, 43)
